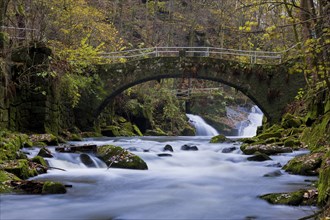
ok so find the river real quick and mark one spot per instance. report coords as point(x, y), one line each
point(203, 184)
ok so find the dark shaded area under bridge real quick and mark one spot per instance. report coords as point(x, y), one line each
point(271, 87)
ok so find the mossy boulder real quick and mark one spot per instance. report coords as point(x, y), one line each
point(219, 139)
point(267, 135)
point(44, 152)
point(118, 157)
point(298, 198)
point(188, 131)
point(292, 143)
point(53, 188)
point(39, 160)
point(324, 180)
point(19, 168)
point(11, 143)
point(90, 134)
point(269, 149)
point(5, 178)
point(48, 139)
point(308, 164)
point(291, 121)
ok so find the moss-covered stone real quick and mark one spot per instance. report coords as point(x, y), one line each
point(291, 121)
point(5, 178)
point(39, 160)
point(118, 157)
point(318, 134)
point(49, 139)
point(90, 134)
point(269, 149)
point(44, 152)
point(265, 136)
point(53, 188)
point(324, 181)
point(301, 197)
point(188, 131)
point(219, 139)
point(292, 143)
point(20, 168)
point(11, 143)
point(308, 164)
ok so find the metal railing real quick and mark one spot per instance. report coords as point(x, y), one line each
point(222, 53)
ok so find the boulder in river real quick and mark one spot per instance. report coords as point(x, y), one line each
point(118, 157)
point(189, 148)
point(308, 164)
point(269, 149)
point(168, 148)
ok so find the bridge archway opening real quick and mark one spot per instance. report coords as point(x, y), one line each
point(222, 86)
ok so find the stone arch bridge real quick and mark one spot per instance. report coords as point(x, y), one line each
point(269, 86)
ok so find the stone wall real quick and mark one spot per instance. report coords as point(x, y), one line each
point(33, 103)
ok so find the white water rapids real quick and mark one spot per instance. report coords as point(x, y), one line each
point(203, 184)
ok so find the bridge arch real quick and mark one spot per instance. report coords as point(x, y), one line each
point(270, 87)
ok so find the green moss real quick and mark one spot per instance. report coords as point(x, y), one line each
point(155, 132)
point(268, 135)
point(293, 198)
point(218, 139)
point(324, 181)
point(39, 160)
point(20, 168)
point(137, 130)
point(48, 139)
point(318, 134)
point(305, 165)
point(39, 144)
point(120, 158)
point(291, 121)
point(293, 143)
point(53, 188)
point(5, 177)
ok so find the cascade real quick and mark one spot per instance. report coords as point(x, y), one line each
point(248, 128)
point(202, 128)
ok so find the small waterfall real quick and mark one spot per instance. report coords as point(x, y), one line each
point(202, 128)
point(74, 160)
point(248, 128)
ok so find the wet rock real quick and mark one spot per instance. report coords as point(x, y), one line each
point(53, 188)
point(259, 157)
point(308, 164)
point(20, 168)
point(219, 139)
point(39, 160)
point(87, 160)
point(269, 149)
point(164, 155)
point(229, 149)
point(168, 148)
point(189, 148)
point(44, 152)
point(301, 197)
point(119, 157)
point(273, 174)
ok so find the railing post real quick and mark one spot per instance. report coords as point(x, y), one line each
point(157, 52)
point(208, 51)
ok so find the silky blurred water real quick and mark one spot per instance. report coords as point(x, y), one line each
point(203, 184)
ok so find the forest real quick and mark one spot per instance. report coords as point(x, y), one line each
point(52, 53)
